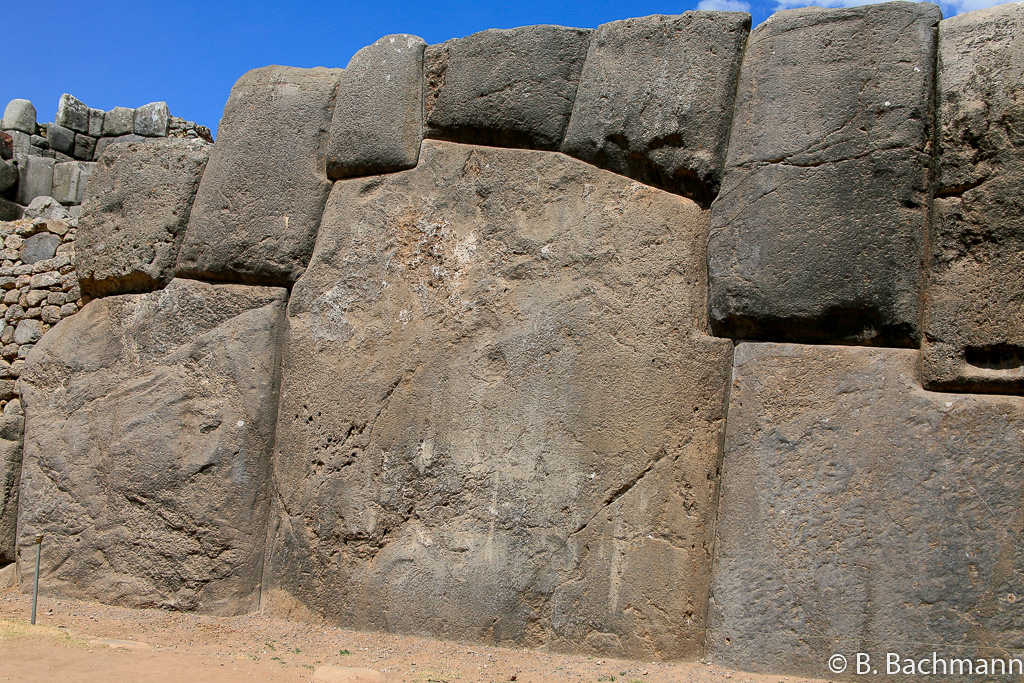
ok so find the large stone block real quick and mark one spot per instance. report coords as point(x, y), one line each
point(11, 427)
point(152, 120)
point(974, 317)
point(69, 179)
point(19, 115)
point(60, 138)
point(378, 119)
point(655, 99)
point(860, 513)
point(506, 87)
point(150, 420)
point(817, 233)
point(73, 113)
point(259, 205)
point(118, 121)
point(35, 177)
point(501, 417)
point(8, 175)
point(135, 213)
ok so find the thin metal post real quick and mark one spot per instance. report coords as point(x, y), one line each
point(35, 582)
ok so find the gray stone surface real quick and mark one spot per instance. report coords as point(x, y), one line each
point(655, 99)
point(72, 113)
point(19, 115)
point(118, 121)
point(60, 138)
point(134, 216)
point(95, 122)
point(149, 423)
point(861, 513)
point(85, 147)
point(39, 247)
point(8, 174)
point(11, 427)
point(817, 233)
point(258, 208)
point(504, 87)
point(378, 119)
point(103, 143)
point(974, 318)
point(69, 181)
point(9, 211)
point(492, 426)
point(35, 177)
point(21, 142)
point(151, 120)
point(46, 207)
point(28, 331)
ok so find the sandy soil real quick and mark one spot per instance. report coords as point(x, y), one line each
point(154, 645)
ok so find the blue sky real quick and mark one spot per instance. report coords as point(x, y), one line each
point(189, 53)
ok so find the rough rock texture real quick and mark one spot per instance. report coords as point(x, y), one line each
point(500, 417)
point(35, 178)
point(8, 175)
point(974, 311)
point(378, 119)
point(258, 208)
point(70, 179)
point(11, 427)
point(506, 87)
point(860, 512)
point(19, 115)
point(151, 120)
point(655, 99)
point(119, 121)
point(72, 113)
point(134, 216)
point(60, 138)
point(817, 232)
point(149, 423)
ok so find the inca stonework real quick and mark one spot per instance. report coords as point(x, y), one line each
point(670, 339)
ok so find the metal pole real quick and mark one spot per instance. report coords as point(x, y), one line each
point(35, 586)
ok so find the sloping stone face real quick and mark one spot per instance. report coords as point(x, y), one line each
point(500, 416)
point(817, 233)
point(974, 313)
point(655, 99)
point(378, 119)
point(860, 512)
point(504, 87)
point(134, 217)
point(148, 435)
point(259, 203)
point(11, 430)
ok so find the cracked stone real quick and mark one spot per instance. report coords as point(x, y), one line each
point(486, 408)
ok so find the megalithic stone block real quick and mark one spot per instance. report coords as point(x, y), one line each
point(974, 308)
point(150, 420)
point(493, 427)
point(256, 214)
point(152, 120)
point(860, 513)
point(72, 113)
point(139, 199)
point(378, 119)
point(19, 115)
point(35, 177)
point(817, 234)
point(11, 428)
point(655, 99)
point(505, 87)
point(118, 121)
point(69, 179)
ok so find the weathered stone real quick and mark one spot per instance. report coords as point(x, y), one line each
point(378, 123)
point(9, 211)
point(10, 475)
point(135, 214)
point(118, 121)
point(35, 178)
point(103, 143)
point(42, 245)
point(150, 485)
point(96, 123)
point(6, 145)
point(860, 513)
point(60, 138)
point(818, 229)
point(44, 280)
point(69, 180)
point(151, 120)
point(41, 143)
point(973, 318)
point(259, 204)
point(487, 408)
point(8, 175)
point(28, 331)
point(19, 115)
point(72, 113)
point(85, 147)
point(505, 87)
point(50, 315)
point(68, 309)
point(20, 142)
point(655, 99)
point(47, 208)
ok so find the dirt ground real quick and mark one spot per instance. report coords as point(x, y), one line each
point(154, 645)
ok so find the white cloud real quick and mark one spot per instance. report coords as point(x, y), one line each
point(731, 5)
point(949, 7)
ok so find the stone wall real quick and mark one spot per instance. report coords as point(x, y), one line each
point(670, 339)
point(56, 159)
